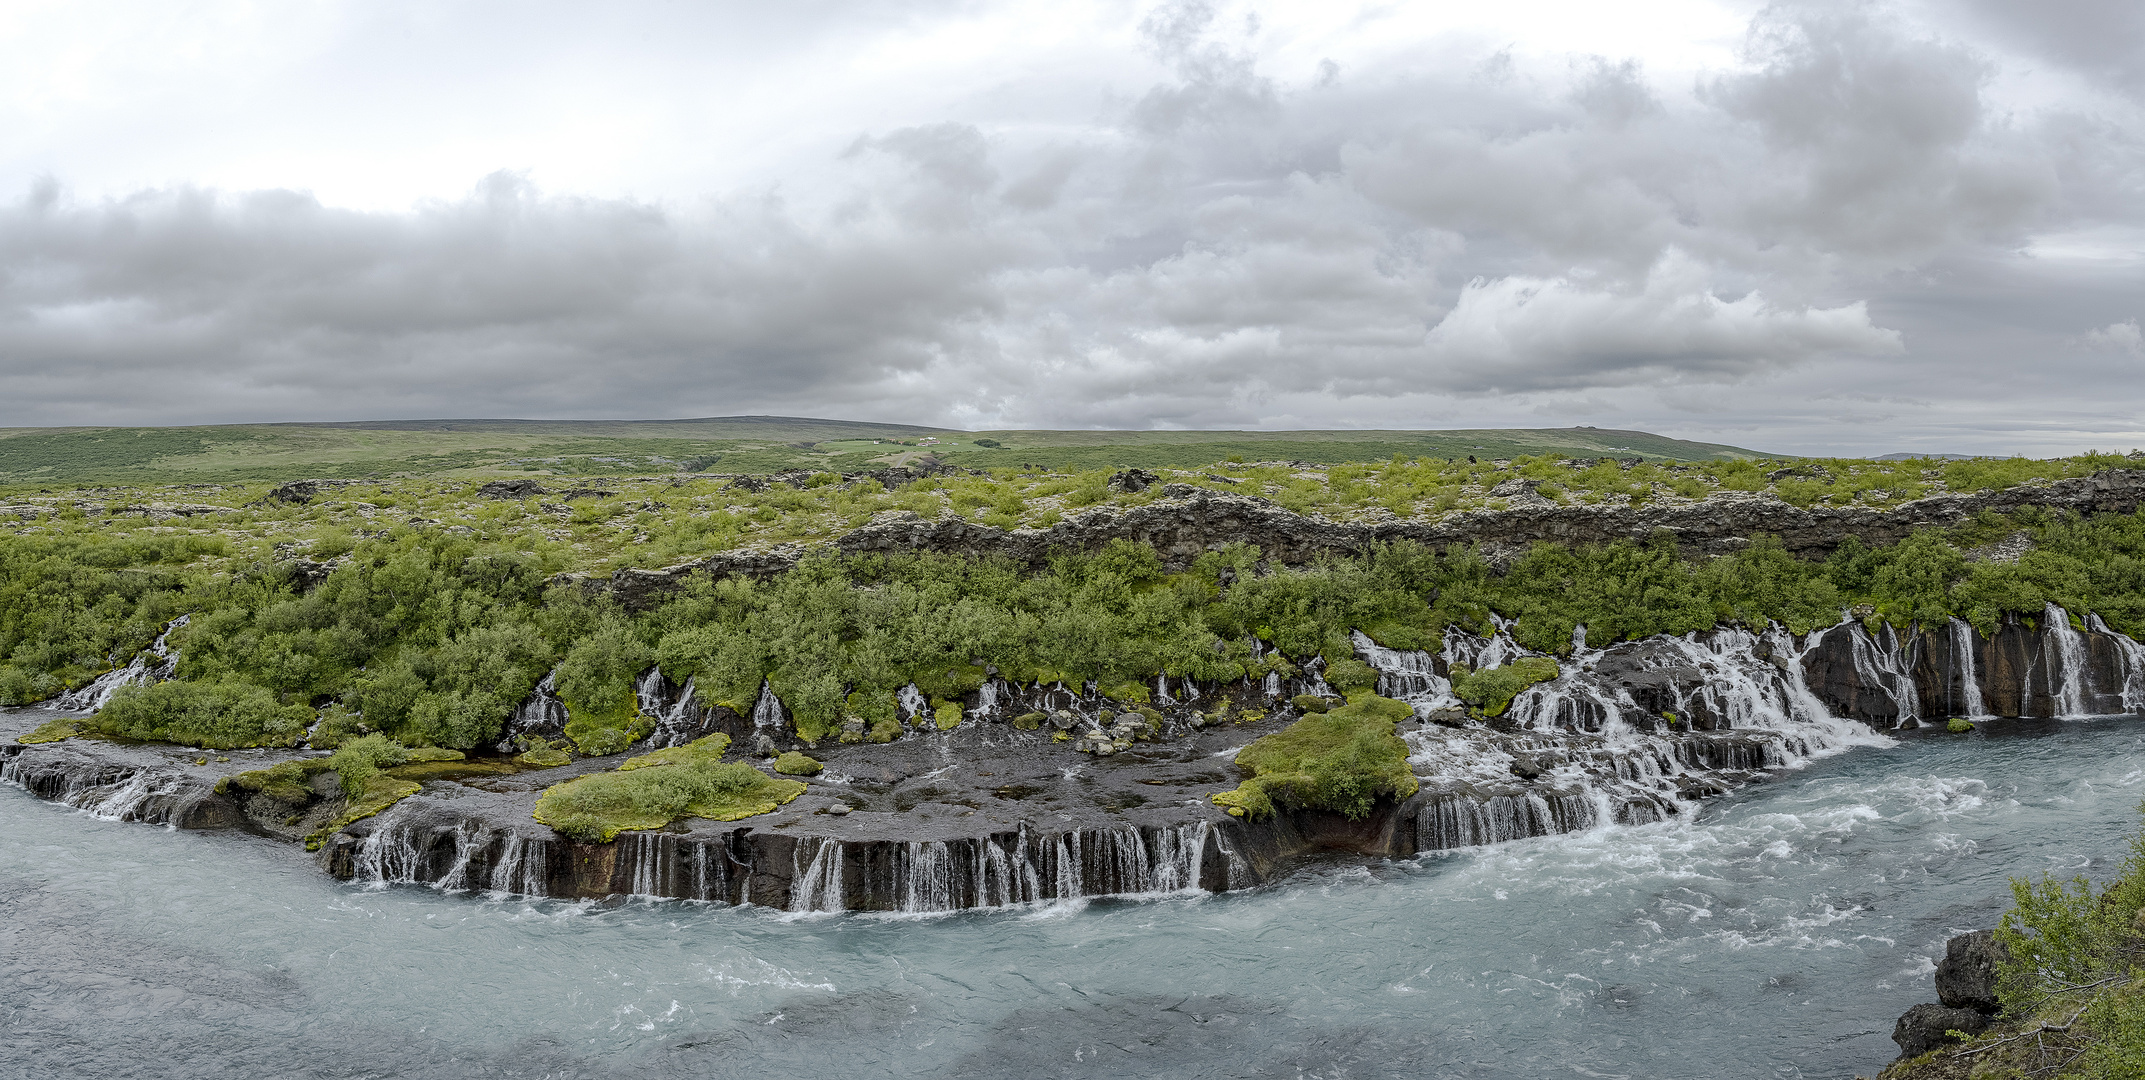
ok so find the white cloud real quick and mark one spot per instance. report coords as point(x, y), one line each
point(2123, 336)
point(1232, 213)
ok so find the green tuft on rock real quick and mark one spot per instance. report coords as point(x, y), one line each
point(796, 763)
point(1028, 721)
point(1959, 726)
point(1491, 690)
point(66, 727)
point(651, 790)
point(1342, 760)
point(1310, 703)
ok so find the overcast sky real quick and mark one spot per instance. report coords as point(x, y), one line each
point(1820, 228)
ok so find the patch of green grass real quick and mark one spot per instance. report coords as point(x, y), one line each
point(1342, 760)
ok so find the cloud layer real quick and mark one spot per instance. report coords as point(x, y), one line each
point(1855, 233)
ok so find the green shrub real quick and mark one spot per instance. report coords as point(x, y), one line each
point(1959, 726)
point(1310, 703)
point(1491, 690)
point(224, 714)
point(1343, 760)
point(793, 763)
point(1349, 673)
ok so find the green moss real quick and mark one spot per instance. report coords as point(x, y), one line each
point(1491, 690)
point(700, 753)
point(1349, 673)
point(379, 792)
point(1342, 760)
point(609, 729)
point(1310, 703)
point(546, 758)
point(598, 807)
point(285, 781)
point(1129, 690)
point(1959, 726)
point(885, 731)
point(1028, 721)
point(65, 727)
point(793, 763)
point(947, 715)
point(422, 771)
point(433, 753)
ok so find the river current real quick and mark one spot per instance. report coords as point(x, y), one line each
point(1775, 933)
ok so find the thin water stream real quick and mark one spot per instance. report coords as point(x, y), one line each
point(1776, 934)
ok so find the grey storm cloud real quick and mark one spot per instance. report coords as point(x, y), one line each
point(1416, 244)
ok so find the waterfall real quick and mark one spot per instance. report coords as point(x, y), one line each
point(767, 716)
point(1884, 667)
point(1962, 651)
point(818, 886)
point(1405, 675)
point(912, 702)
point(542, 715)
point(923, 876)
point(2064, 649)
point(152, 665)
point(2133, 657)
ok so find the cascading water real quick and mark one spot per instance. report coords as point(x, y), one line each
point(2064, 649)
point(817, 886)
point(767, 718)
point(1581, 750)
point(1962, 652)
point(153, 665)
point(2133, 658)
point(1884, 666)
point(542, 715)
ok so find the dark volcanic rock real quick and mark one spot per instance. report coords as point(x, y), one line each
point(511, 489)
point(1966, 979)
point(1923, 1028)
point(1183, 525)
point(1133, 480)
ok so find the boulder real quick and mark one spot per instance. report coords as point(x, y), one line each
point(1966, 979)
point(1133, 480)
point(511, 489)
point(1924, 1028)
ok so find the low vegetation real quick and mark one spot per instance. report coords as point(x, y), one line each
point(419, 611)
point(2072, 986)
point(1342, 760)
point(653, 790)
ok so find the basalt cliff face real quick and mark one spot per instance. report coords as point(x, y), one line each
point(1189, 520)
point(1100, 799)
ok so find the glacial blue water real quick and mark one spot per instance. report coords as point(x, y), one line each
point(1777, 933)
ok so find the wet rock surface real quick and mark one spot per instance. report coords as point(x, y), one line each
point(1966, 978)
point(1925, 1027)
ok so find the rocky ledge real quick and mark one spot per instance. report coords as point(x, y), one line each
point(1189, 520)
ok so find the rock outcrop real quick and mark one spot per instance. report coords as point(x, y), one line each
point(1189, 520)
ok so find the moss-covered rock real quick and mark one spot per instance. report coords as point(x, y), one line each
point(1959, 726)
point(1310, 703)
point(65, 727)
point(1028, 721)
point(1491, 690)
point(652, 790)
point(1342, 760)
point(794, 763)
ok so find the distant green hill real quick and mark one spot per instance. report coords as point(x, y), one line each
point(463, 448)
